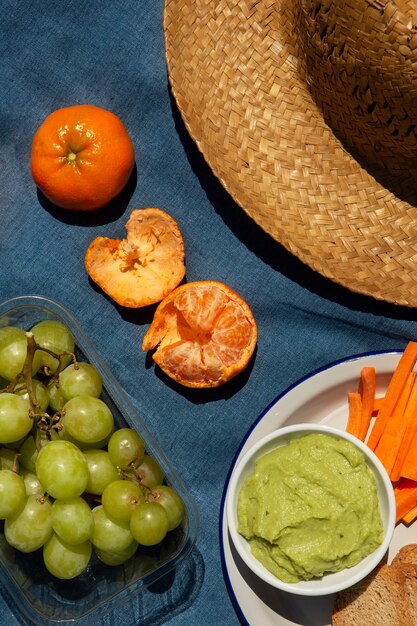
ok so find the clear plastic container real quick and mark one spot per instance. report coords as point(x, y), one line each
point(45, 599)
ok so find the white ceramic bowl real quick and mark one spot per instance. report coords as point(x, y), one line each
point(332, 582)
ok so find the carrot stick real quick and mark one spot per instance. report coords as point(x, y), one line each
point(410, 516)
point(367, 385)
point(405, 497)
point(406, 455)
point(377, 404)
point(391, 438)
point(393, 392)
point(355, 413)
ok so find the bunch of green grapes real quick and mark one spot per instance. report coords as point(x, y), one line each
point(71, 482)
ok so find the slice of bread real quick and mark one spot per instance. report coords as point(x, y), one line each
point(410, 573)
point(380, 599)
point(406, 554)
point(406, 561)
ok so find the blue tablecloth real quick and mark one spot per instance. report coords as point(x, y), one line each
point(111, 53)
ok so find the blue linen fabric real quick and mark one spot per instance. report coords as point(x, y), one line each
point(111, 53)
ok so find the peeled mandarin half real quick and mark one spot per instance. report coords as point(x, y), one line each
point(143, 268)
point(204, 334)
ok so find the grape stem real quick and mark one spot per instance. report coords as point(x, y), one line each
point(25, 375)
point(32, 347)
point(133, 475)
point(27, 369)
point(15, 465)
point(48, 422)
point(23, 381)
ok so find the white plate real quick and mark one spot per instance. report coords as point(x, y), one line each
point(320, 397)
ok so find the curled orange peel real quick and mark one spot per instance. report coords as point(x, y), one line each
point(143, 268)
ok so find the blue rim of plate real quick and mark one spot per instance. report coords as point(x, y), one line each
point(298, 382)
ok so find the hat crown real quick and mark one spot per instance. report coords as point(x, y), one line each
point(360, 60)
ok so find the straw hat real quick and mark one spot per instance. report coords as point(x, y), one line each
point(306, 110)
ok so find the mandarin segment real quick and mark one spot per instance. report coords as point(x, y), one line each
point(204, 334)
point(143, 268)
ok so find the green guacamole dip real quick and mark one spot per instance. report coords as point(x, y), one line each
point(310, 507)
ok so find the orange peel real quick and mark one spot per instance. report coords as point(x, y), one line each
point(204, 334)
point(143, 268)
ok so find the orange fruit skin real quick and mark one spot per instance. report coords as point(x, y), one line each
point(143, 268)
point(81, 157)
point(204, 334)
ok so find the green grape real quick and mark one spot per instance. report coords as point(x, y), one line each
point(72, 520)
point(150, 472)
point(120, 499)
point(56, 398)
point(64, 560)
point(15, 421)
point(80, 379)
point(62, 469)
point(28, 453)
point(109, 535)
point(41, 394)
point(32, 483)
point(13, 351)
point(12, 493)
point(57, 338)
point(87, 419)
point(117, 558)
point(31, 526)
point(28, 450)
point(9, 459)
point(101, 471)
point(82, 445)
point(172, 503)
point(149, 523)
point(126, 448)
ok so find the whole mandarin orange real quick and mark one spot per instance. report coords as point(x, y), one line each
point(82, 157)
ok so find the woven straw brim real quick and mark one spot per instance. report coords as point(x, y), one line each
point(234, 74)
